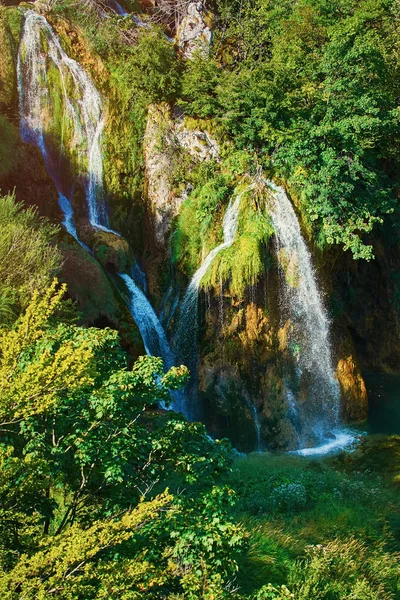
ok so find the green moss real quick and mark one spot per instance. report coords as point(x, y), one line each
point(244, 262)
point(13, 16)
point(7, 67)
point(199, 226)
point(8, 145)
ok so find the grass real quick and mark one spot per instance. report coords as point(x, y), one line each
point(289, 504)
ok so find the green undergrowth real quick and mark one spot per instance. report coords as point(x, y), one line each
point(322, 527)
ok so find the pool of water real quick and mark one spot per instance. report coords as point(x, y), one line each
point(384, 403)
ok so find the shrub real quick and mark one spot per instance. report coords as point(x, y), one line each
point(289, 497)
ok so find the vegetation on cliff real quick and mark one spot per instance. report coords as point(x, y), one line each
point(314, 89)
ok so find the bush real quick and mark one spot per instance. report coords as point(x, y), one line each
point(28, 258)
point(289, 497)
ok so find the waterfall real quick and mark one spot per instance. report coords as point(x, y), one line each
point(229, 226)
point(116, 7)
point(79, 112)
point(185, 340)
point(40, 59)
point(256, 419)
point(120, 10)
point(153, 335)
point(68, 212)
point(309, 333)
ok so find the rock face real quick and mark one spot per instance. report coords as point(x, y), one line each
point(245, 365)
point(88, 286)
point(166, 141)
point(241, 369)
point(158, 157)
point(110, 249)
point(193, 33)
point(367, 301)
point(354, 392)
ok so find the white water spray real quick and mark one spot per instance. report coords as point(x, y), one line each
point(229, 226)
point(309, 333)
point(40, 58)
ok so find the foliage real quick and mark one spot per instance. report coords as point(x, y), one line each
point(345, 569)
point(244, 262)
point(28, 257)
point(199, 226)
point(303, 515)
point(313, 89)
point(82, 460)
point(289, 497)
point(153, 69)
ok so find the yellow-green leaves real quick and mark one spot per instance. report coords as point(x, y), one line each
point(33, 373)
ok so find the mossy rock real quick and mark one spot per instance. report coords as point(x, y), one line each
point(88, 285)
point(111, 250)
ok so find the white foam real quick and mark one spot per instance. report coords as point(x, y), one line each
point(344, 439)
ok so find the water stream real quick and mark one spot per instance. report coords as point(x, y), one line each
point(185, 339)
point(152, 332)
point(309, 331)
point(81, 113)
point(42, 65)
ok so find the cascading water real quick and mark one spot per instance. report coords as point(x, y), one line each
point(152, 332)
point(82, 115)
point(257, 423)
point(185, 340)
point(229, 226)
point(309, 331)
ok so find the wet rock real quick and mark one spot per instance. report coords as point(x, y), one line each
point(110, 249)
point(354, 392)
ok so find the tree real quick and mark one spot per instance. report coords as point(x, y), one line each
point(312, 88)
point(84, 465)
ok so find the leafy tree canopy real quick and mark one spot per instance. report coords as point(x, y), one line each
point(313, 87)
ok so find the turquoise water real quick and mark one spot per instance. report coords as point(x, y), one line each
point(384, 403)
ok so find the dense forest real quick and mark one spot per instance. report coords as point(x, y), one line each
point(200, 299)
